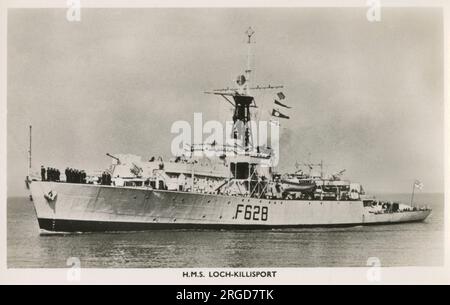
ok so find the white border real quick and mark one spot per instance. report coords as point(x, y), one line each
point(393, 275)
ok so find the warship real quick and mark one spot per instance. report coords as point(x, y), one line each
point(229, 189)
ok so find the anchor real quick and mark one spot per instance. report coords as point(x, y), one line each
point(50, 196)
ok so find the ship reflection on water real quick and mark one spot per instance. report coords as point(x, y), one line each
point(418, 244)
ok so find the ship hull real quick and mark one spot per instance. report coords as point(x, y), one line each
point(63, 225)
point(66, 207)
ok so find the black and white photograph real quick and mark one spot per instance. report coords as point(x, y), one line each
point(260, 138)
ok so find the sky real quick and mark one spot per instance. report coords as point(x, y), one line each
point(366, 96)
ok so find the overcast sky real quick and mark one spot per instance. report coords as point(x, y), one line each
point(367, 97)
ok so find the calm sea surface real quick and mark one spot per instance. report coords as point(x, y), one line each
point(420, 244)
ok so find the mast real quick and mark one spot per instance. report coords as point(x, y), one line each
point(248, 70)
point(241, 99)
point(244, 101)
point(29, 151)
point(321, 169)
point(412, 195)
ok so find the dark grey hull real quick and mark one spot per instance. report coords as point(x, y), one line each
point(74, 226)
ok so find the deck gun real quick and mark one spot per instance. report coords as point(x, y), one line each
point(115, 158)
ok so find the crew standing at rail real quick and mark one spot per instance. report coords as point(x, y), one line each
point(43, 173)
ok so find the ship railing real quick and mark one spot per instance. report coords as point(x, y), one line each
point(221, 149)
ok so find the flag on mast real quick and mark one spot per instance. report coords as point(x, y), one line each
point(278, 114)
point(418, 184)
point(281, 95)
point(282, 105)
